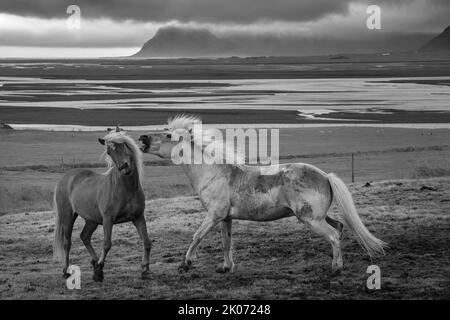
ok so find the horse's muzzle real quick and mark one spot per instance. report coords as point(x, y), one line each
point(146, 141)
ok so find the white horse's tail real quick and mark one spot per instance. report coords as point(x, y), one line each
point(58, 242)
point(344, 200)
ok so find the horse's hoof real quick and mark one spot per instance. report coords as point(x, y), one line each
point(146, 275)
point(98, 276)
point(336, 271)
point(184, 266)
point(223, 269)
point(97, 279)
point(98, 271)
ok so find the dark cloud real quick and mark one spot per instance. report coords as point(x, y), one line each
point(241, 11)
point(172, 41)
point(296, 26)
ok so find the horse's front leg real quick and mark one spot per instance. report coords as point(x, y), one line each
point(228, 265)
point(141, 227)
point(107, 231)
point(210, 222)
point(86, 235)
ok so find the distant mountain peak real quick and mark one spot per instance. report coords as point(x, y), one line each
point(174, 31)
point(173, 41)
point(439, 43)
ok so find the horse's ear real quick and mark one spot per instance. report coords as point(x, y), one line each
point(102, 141)
point(118, 128)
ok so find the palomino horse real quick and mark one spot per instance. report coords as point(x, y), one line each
point(113, 197)
point(231, 191)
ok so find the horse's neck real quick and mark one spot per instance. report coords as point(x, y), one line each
point(202, 175)
point(130, 183)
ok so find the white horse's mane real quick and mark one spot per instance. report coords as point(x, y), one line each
point(182, 121)
point(122, 137)
point(206, 138)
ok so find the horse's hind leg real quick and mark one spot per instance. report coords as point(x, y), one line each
point(141, 227)
point(226, 243)
point(335, 224)
point(332, 235)
point(67, 242)
point(86, 235)
point(318, 224)
point(65, 218)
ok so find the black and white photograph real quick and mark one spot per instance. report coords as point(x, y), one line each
point(248, 151)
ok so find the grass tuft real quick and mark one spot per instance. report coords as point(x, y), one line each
point(431, 169)
point(21, 198)
point(429, 172)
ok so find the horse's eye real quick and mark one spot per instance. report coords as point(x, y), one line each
point(169, 136)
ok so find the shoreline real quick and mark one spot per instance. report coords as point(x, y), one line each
point(80, 128)
point(67, 119)
point(374, 65)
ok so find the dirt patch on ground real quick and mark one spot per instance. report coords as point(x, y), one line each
point(276, 260)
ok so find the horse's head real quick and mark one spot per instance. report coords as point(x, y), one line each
point(161, 143)
point(119, 152)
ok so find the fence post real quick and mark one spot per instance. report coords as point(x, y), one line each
point(353, 168)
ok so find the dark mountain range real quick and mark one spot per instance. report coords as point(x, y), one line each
point(439, 43)
point(180, 42)
point(184, 42)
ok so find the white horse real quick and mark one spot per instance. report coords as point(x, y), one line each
point(232, 191)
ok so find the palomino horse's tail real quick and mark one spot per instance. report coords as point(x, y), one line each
point(58, 242)
point(344, 200)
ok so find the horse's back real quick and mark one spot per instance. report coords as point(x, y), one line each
point(73, 178)
point(302, 175)
point(309, 176)
point(77, 189)
point(263, 193)
point(307, 187)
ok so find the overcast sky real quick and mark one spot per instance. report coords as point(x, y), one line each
point(113, 27)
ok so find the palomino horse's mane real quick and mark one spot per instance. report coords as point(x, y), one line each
point(186, 123)
point(121, 137)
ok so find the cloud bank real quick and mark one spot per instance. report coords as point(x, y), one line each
point(306, 27)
